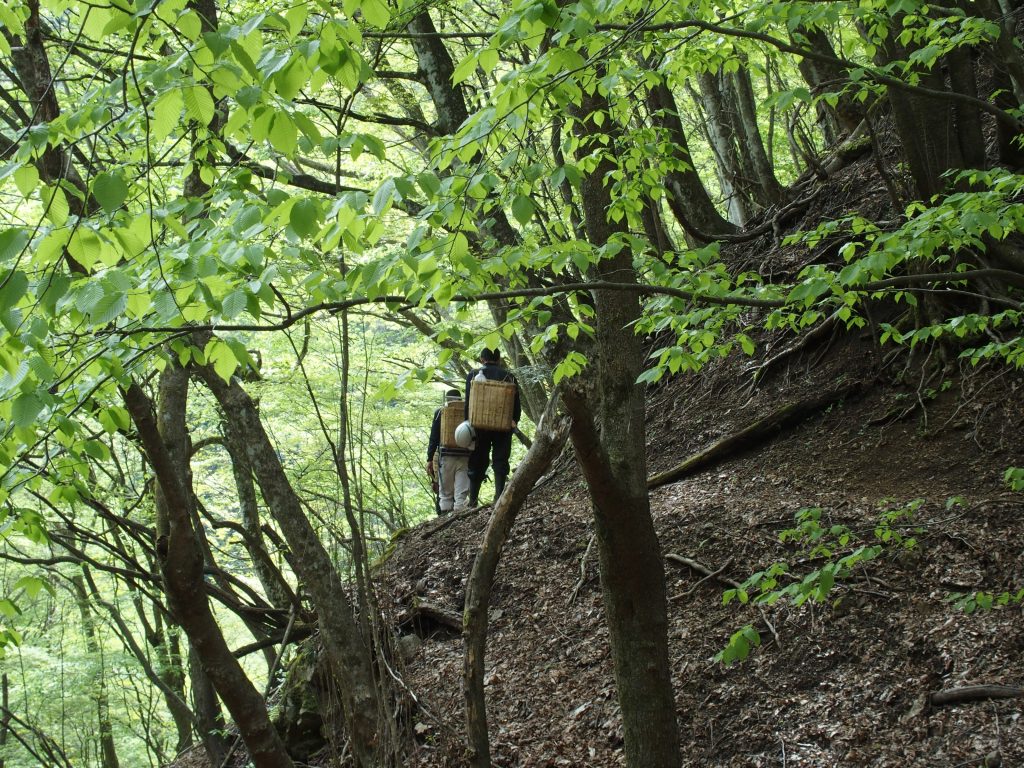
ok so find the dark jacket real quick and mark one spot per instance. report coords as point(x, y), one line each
point(435, 440)
point(495, 372)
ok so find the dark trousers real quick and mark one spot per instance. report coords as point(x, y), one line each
point(497, 446)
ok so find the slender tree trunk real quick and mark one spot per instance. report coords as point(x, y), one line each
point(549, 441)
point(172, 674)
point(5, 718)
point(723, 145)
point(769, 191)
point(966, 117)
point(182, 567)
point(823, 77)
point(209, 717)
point(925, 126)
point(688, 198)
point(108, 751)
point(608, 434)
point(1007, 65)
point(348, 651)
point(436, 69)
point(173, 692)
point(277, 590)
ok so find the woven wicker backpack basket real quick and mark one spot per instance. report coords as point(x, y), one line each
point(491, 404)
point(452, 414)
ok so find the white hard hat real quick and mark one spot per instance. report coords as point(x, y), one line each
point(465, 435)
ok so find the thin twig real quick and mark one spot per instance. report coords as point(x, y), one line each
point(583, 570)
point(694, 588)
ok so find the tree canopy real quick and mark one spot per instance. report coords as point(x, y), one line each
point(238, 242)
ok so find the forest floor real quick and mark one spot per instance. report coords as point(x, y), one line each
point(845, 681)
point(841, 682)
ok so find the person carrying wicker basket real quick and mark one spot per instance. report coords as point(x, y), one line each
point(452, 461)
point(492, 444)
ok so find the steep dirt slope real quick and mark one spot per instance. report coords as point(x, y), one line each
point(843, 682)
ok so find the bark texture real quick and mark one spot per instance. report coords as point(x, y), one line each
point(688, 197)
point(608, 434)
point(552, 432)
point(181, 565)
point(349, 653)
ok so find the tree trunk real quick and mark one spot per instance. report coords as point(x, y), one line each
point(769, 191)
point(5, 718)
point(688, 198)
point(350, 654)
point(548, 442)
point(966, 117)
point(108, 751)
point(925, 126)
point(181, 565)
point(277, 590)
point(722, 139)
point(608, 434)
point(172, 674)
point(209, 716)
point(1007, 65)
point(823, 77)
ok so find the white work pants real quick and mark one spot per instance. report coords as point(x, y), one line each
point(454, 482)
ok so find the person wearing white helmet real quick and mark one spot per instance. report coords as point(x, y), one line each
point(453, 465)
point(490, 445)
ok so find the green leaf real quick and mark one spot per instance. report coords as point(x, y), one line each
point(166, 114)
point(305, 217)
point(376, 13)
point(25, 409)
point(33, 585)
point(88, 296)
point(464, 69)
point(12, 243)
point(222, 358)
point(56, 205)
point(233, 304)
point(522, 209)
point(110, 191)
point(110, 306)
point(283, 134)
point(190, 25)
point(199, 104)
point(12, 289)
point(26, 179)
point(459, 247)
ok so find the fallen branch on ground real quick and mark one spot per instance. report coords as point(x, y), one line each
point(755, 434)
point(696, 586)
point(974, 693)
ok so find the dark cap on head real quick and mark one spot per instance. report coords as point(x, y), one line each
point(490, 355)
point(453, 394)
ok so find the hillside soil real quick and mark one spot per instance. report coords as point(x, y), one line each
point(844, 680)
point(840, 682)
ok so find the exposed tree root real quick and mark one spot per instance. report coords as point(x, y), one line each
point(823, 329)
point(974, 693)
point(425, 614)
point(755, 434)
